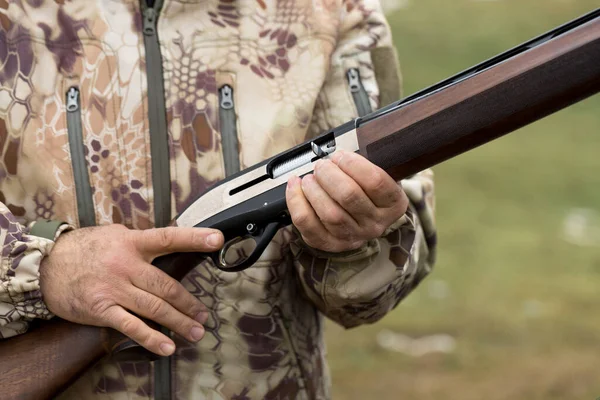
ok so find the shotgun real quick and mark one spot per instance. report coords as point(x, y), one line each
point(491, 99)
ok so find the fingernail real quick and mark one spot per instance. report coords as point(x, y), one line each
point(214, 239)
point(167, 348)
point(202, 317)
point(318, 164)
point(197, 333)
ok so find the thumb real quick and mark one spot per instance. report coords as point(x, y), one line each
point(152, 243)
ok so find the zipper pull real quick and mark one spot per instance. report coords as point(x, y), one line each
point(73, 99)
point(226, 97)
point(149, 23)
point(353, 80)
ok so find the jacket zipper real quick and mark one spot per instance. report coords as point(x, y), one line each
point(159, 151)
point(359, 94)
point(83, 189)
point(159, 142)
point(229, 138)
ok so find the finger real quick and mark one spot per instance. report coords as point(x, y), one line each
point(383, 191)
point(129, 325)
point(160, 241)
point(306, 220)
point(156, 309)
point(345, 192)
point(335, 219)
point(152, 280)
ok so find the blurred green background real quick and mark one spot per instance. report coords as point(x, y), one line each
point(517, 282)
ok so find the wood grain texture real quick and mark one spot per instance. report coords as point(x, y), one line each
point(41, 363)
point(485, 106)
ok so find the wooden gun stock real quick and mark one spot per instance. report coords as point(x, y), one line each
point(39, 364)
point(487, 101)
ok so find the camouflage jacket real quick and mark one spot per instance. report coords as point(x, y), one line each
point(84, 88)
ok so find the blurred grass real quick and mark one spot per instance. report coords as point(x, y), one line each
point(501, 210)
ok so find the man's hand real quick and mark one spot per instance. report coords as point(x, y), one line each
point(344, 203)
point(94, 275)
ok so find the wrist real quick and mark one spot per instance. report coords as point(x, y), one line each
point(51, 230)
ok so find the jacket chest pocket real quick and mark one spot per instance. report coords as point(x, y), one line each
point(107, 142)
point(85, 144)
point(204, 129)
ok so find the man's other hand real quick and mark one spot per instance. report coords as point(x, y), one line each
point(93, 276)
point(346, 201)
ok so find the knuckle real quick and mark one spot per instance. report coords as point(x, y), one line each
point(183, 325)
point(377, 181)
point(147, 338)
point(120, 235)
point(350, 236)
point(348, 159)
point(349, 196)
point(164, 238)
point(112, 261)
point(195, 307)
point(99, 304)
point(403, 202)
point(378, 224)
point(397, 198)
point(377, 230)
point(301, 219)
point(148, 276)
point(128, 326)
point(155, 308)
point(170, 289)
point(118, 228)
point(198, 237)
point(345, 234)
point(138, 331)
point(398, 207)
point(334, 217)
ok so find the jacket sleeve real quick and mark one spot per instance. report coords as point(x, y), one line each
point(22, 253)
point(361, 286)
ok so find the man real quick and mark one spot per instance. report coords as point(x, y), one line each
point(116, 114)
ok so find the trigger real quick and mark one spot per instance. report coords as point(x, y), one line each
point(262, 241)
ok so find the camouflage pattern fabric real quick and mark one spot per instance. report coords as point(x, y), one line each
point(286, 61)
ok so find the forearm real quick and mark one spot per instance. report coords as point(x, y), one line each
point(363, 286)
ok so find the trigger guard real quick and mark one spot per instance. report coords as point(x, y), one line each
point(262, 241)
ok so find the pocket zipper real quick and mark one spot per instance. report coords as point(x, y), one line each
point(229, 138)
point(83, 189)
point(359, 94)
